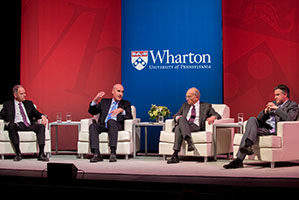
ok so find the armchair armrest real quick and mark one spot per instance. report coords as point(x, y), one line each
point(169, 124)
point(2, 123)
point(209, 128)
point(85, 124)
point(129, 124)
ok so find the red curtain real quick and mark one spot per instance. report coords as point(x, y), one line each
point(70, 50)
point(260, 51)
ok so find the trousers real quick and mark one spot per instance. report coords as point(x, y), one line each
point(253, 130)
point(97, 128)
point(182, 130)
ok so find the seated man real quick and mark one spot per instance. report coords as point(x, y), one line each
point(191, 118)
point(282, 109)
point(113, 112)
point(20, 115)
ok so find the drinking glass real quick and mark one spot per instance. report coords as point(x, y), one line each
point(68, 117)
point(58, 117)
point(240, 118)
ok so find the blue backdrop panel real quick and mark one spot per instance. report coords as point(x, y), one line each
point(167, 47)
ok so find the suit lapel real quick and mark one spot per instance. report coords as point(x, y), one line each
point(107, 107)
point(201, 111)
point(12, 105)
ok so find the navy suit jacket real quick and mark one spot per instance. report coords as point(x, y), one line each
point(103, 107)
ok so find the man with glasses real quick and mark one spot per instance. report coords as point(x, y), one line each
point(191, 117)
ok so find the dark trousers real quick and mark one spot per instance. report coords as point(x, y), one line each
point(13, 129)
point(182, 130)
point(253, 130)
point(97, 128)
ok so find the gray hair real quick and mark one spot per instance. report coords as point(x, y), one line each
point(16, 88)
point(196, 91)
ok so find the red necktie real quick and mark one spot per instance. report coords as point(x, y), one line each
point(23, 115)
point(193, 114)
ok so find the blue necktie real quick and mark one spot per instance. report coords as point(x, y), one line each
point(109, 116)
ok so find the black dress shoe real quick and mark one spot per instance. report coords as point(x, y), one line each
point(246, 150)
point(43, 157)
point(112, 158)
point(96, 158)
point(237, 163)
point(191, 147)
point(18, 157)
point(173, 160)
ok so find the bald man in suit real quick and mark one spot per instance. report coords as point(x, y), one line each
point(191, 117)
point(113, 112)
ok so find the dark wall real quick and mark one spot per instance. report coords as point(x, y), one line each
point(10, 47)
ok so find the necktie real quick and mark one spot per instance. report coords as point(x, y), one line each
point(109, 116)
point(23, 115)
point(193, 114)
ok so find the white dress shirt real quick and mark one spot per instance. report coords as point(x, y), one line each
point(18, 115)
point(196, 120)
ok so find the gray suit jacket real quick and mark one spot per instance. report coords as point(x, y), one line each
point(205, 111)
point(288, 112)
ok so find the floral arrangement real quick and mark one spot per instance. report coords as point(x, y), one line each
point(157, 111)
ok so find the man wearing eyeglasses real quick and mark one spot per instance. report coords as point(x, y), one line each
point(191, 117)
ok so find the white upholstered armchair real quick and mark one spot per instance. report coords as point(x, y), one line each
point(28, 141)
point(202, 140)
point(125, 140)
point(275, 148)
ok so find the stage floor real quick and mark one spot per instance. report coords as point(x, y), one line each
point(155, 169)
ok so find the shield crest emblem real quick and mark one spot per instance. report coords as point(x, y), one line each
point(139, 59)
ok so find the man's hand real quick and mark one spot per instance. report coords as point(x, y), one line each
point(98, 97)
point(44, 120)
point(178, 117)
point(116, 112)
point(211, 120)
point(270, 106)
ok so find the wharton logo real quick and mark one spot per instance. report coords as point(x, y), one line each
point(165, 60)
point(139, 59)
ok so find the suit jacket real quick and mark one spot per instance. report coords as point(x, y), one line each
point(103, 107)
point(8, 111)
point(288, 112)
point(205, 111)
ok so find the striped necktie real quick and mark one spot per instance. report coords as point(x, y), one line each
point(193, 114)
point(23, 115)
point(109, 116)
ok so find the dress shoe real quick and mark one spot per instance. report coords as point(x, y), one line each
point(18, 157)
point(43, 157)
point(96, 158)
point(112, 158)
point(246, 150)
point(173, 160)
point(191, 147)
point(237, 163)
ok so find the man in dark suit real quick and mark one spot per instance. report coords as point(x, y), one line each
point(282, 109)
point(191, 118)
point(21, 115)
point(113, 112)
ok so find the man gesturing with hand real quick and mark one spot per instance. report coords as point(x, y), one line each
point(113, 111)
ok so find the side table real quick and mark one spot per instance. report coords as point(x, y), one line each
point(223, 125)
point(145, 125)
point(56, 124)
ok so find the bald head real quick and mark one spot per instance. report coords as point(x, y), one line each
point(192, 95)
point(117, 92)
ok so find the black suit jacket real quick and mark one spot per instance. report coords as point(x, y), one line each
point(205, 111)
point(103, 107)
point(8, 111)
